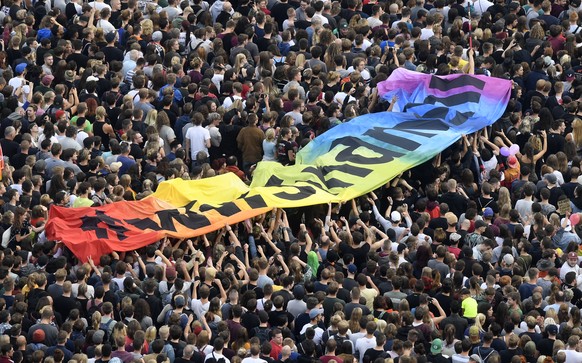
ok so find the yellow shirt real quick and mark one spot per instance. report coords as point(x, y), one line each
point(469, 306)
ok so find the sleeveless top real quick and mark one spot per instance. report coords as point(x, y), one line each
point(98, 131)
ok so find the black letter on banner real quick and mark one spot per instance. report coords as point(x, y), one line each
point(459, 82)
point(304, 193)
point(114, 224)
point(189, 219)
point(399, 141)
point(353, 143)
point(413, 127)
point(442, 112)
point(255, 201)
point(456, 99)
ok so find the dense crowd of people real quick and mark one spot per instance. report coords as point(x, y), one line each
point(472, 256)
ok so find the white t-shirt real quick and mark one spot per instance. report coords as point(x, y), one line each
point(364, 344)
point(198, 136)
point(99, 6)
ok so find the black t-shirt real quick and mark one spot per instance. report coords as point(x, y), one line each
point(283, 148)
point(9, 147)
point(373, 354)
point(112, 53)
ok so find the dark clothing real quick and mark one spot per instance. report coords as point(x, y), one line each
point(460, 325)
point(457, 203)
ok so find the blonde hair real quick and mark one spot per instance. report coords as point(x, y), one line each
point(270, 134)
point(147, 27)
point(100, 113)
point(151, 118)
point(577, 132)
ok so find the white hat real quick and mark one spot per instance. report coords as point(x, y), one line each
point(568, 224)
point(508, 259)
point(114, 167)
point(395, 216)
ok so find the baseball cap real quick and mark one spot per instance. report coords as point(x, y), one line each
point(315, 312)
point(437, 346)
point(570, 73)
point(59, 114)
point(38, 336)
point(568, 225)
point(401, 247)
point(114, 168)
point(395, 216)
point(512, 162)
point(480, 223)
point(455, 237)
point(109, 37)
point(551, 178)
point(47, 79)
point(508, 259)
point(552, 329)
point(475, 358)
point(451, 218)
point(157, 36)
point(573, 255)
point(343, 24)
point(98, 336)
point(299, 292)
point(352, 268)
point(180, 301)
point(92, 78)
point(488, 212)
point(20, 68)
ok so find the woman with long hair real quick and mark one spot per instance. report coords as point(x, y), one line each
point(142, 313)
point(577, 135)
point(354, 323)
point(165, 131)
point(48, 133)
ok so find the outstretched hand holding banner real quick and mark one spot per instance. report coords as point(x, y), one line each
point(345, 162)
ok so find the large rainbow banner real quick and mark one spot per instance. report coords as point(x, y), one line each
point(345, 162)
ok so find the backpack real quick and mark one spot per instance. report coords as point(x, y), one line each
point(214, 360)
point(474, 239)
point(105, 328)
point(484, 360)
point(303, 337)
point(167, 295)
point(262, 333)
point(94, 307)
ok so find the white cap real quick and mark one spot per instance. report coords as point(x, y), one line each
point(395, 216)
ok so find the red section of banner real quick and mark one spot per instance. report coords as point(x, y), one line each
point(126, 226)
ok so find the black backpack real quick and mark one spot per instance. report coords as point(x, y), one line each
point(94, 307)
point(214, 360)
point(264, 334)
point(105, 328)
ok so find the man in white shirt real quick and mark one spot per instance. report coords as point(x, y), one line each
point(254, 358)
point(572, 355)
point(197, 138)
point(572, 265)
point(99, 5)
point(316, 315)
point(368, 341)
point(236, 95)
point(217, 355)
